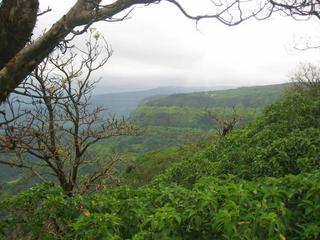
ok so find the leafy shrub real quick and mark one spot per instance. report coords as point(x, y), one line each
point(215, 208)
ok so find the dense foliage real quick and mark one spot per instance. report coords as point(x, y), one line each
point(214, 208)
point(259, 182)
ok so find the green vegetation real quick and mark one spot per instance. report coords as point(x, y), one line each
point(214, 208)
point(259, 182)
point(283, 140)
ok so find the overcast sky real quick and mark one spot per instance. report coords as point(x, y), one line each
point(158, 46)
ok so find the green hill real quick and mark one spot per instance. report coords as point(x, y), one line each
point(191, 109)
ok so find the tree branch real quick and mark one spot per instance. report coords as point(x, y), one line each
point(82, 13)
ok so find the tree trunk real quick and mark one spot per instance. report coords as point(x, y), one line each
point(17, 20)
point(68, 189)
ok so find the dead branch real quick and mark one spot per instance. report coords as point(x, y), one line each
point(225, 123)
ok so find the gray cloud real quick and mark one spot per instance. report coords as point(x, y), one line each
point(159, 47)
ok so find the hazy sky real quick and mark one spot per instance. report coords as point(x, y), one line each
point(158, 46)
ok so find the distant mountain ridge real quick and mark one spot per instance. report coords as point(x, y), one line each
point(253, 96)
point(124, 103)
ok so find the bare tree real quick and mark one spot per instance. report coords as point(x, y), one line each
point(225, 123)
point(308, 75)
point(58, 125)
point(19, 58)
point(306, 79)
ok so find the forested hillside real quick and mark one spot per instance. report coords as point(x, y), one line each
point(171, 120)
point(258, 182)
point(190, 110)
